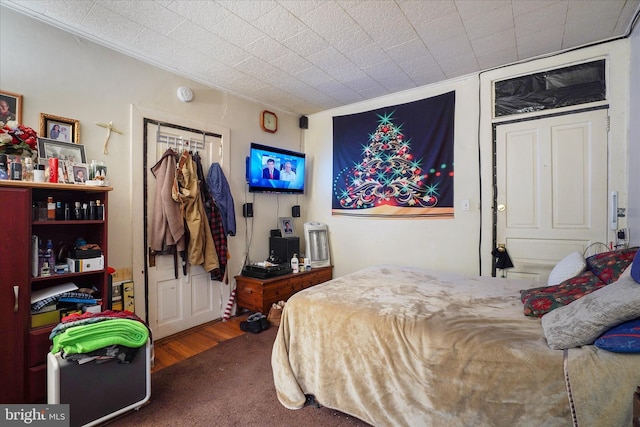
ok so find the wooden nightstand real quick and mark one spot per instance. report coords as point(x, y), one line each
point(258, 294)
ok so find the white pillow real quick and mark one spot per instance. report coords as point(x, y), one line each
point(570, 266)
point(585, 319)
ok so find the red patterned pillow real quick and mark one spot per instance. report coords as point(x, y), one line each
point(608, 266)
point(540, 301)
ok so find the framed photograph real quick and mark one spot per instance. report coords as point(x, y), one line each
point(59, 128)
point(286, 226)
point(65, 172)
point(80, 173)
point(48, 148)
point(10, 107)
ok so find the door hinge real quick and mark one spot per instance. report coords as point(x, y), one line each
point(608, 123)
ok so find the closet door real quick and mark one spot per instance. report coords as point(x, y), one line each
point(15, 271)
point(188, 300)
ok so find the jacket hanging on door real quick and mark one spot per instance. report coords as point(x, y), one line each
point(167, 225)
point(201, 249)
point(214, 220)
point(221, 192)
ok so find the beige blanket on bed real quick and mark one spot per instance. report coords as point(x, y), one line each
point(405, 346)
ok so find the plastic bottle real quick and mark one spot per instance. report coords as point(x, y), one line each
point(39, 173)
point(4, 172)
point(99, 210)
point(294, 263)
point(28, 170)
point(51, 209)
point(77, 212)
point(50, 257)
point(16, 170)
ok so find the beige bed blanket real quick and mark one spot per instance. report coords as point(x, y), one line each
point(404, 346)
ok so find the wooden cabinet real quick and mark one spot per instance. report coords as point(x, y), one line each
point(23, 361)
point(258, 294)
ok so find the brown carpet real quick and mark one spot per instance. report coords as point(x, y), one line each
point(228, 385)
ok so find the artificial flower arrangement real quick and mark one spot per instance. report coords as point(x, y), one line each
point(17, 139)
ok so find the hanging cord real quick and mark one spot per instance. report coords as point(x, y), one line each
point(586, 251)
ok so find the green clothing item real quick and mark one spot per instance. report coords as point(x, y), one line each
point(92, 336)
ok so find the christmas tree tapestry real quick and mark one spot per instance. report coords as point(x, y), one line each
point(395, 161)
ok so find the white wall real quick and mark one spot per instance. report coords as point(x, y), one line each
point(633, 211)
point(442, 244)
point(67, 76)
point(453, 244)
point(61, 74)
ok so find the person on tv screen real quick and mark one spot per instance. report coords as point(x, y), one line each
point(287, 174)
point(270, 172)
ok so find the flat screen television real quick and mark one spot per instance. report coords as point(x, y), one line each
point(275, 170)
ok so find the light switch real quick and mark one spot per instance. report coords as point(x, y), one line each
point(465, 205)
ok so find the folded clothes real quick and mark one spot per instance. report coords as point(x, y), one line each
point(89, 337)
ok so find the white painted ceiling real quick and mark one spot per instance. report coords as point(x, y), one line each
point(305, 56)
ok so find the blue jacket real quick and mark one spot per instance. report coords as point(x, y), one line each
point(219, 188)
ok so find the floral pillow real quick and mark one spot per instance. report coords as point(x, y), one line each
point(608, 266)
point(540, 301)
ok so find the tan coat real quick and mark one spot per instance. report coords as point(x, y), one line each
point(167, 225)
point(201, 249)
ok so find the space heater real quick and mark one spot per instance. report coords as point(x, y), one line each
point(316, 236)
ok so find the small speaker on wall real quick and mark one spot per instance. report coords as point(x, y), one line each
point(304, 122)
point(295, 211)
point(247, 210)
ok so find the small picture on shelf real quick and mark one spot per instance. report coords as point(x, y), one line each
point(286, 226)
point(65, 172)
point(80, 173)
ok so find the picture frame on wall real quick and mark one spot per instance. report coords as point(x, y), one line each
point(10, 107)
point(59, 128)
point(286, 226)
point(67, 151)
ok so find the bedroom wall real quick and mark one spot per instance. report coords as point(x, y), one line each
point(633, 211)
point(65, 75)
point(451, 244)
point(61, 74)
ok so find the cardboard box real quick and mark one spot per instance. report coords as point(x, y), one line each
point(89, 264)
point(128, 302)
point(46, 318)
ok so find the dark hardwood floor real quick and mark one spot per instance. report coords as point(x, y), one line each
point(173, 349)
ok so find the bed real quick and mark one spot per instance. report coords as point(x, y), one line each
point(397, 345)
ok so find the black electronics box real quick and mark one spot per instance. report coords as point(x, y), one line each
point(85, 253)
point(260, 272)
point(284, 247)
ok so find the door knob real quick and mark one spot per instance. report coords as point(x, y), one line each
point(501, 208)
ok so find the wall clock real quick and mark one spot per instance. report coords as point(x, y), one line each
point(269, 121)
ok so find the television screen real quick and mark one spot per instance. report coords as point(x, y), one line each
point(275, 170)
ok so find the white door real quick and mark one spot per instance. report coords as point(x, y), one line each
point(551, 191)
point(177, 304)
